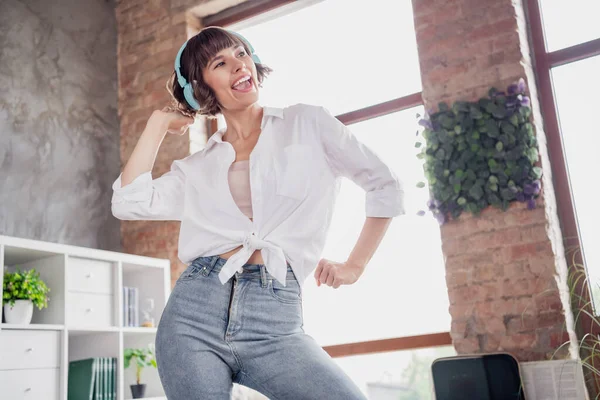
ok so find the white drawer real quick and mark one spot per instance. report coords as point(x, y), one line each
point(29, 349)
point(91, 276)
point(30, 384)
point(90, 310)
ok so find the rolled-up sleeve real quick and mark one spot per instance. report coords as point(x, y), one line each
point(145, 198)
point(349, 157)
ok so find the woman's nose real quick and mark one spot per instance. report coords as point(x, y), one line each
point(240, 66)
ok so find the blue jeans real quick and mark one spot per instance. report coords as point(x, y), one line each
point(248, 331)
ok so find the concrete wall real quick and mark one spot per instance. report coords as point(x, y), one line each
point(59, 129)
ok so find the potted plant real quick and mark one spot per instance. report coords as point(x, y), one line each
point(21, 290)
point(144, 357)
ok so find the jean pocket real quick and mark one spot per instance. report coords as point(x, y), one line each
point(190, 273)
point(198, 267)
point(292, 168)
point(288, 294)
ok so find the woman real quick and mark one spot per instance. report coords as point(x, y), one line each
point(255, 205)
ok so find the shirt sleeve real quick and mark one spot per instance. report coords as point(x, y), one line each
point(349, 157)
point(161, 199)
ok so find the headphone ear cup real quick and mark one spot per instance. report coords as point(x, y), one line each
point(189, 96)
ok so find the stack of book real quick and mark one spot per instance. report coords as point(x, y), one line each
point(131, 304)
point(93, 379)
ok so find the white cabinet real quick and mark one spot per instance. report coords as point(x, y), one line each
point(84, 318)
point(30, 384)
point(29, 349)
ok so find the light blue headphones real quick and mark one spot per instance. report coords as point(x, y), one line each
point(188, 92)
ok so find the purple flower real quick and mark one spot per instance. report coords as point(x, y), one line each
point(528, 189)
point(425, 123)
point(420, 213)
point(521, 85)
point(440, 218)
point(531, 203)
point(537, 186)
point(525, 101)
point(520, 196)
point(512, 89)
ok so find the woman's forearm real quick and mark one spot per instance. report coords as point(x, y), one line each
point(370, 237)
point(144, 154)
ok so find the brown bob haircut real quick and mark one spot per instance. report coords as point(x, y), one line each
point(199, 51)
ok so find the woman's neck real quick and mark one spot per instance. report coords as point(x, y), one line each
point(242, 124)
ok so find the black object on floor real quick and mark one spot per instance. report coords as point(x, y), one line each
point(477, 377)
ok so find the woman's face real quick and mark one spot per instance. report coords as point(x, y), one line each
point(231, 74)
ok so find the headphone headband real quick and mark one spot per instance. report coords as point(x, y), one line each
point(188, 91)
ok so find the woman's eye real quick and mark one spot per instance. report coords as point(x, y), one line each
point(242, 53)
point(219, 64)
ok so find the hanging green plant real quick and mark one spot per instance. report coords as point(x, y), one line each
point(480, 154)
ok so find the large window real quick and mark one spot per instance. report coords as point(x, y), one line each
point(575, 86)
point(344, 55)
point(570, 23)
point(566, 41)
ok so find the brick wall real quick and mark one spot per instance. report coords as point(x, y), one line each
point(149, 36)
point(505, 271)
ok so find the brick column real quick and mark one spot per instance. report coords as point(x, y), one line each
point(505, 271)
point(149, 36)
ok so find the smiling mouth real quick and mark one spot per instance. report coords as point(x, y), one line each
point(243, 85)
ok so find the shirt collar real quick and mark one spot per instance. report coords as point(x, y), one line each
point(217, 137)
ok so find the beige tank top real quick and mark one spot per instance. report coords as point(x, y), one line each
point(239, 185)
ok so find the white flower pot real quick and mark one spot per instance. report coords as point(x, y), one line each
point(20, 313)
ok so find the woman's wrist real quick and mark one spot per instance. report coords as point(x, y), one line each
point(157, 124)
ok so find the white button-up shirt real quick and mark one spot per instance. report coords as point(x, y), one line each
point(295, 170)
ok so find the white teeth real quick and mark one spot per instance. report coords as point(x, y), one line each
point(247, 78)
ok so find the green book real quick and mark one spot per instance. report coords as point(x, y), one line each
point(82, 375)
point(97, 395)
point(113, 386)
point(103, 381)
point(106, 378)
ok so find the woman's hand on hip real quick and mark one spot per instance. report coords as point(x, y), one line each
point(336, 274)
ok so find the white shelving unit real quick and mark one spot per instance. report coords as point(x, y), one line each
point(84, 317)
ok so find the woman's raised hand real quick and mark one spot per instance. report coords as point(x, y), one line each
point(175, 122)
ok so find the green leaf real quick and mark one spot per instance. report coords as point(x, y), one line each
point(492, 128)
point(443, 106)
point(476, 192)
point(418, 144)
point(499, 146)
point(461, 201)
point(507, 127)
point(499, 112)
point(457, 188)
point(421, 185)
point(533, 154)
point(537, 172)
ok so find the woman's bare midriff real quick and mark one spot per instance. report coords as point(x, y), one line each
point(256, 257)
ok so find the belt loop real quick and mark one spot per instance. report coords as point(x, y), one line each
point(206, 270)
point(263, 276)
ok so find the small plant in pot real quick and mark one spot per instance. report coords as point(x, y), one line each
point(21, 291)
point(144, 357)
